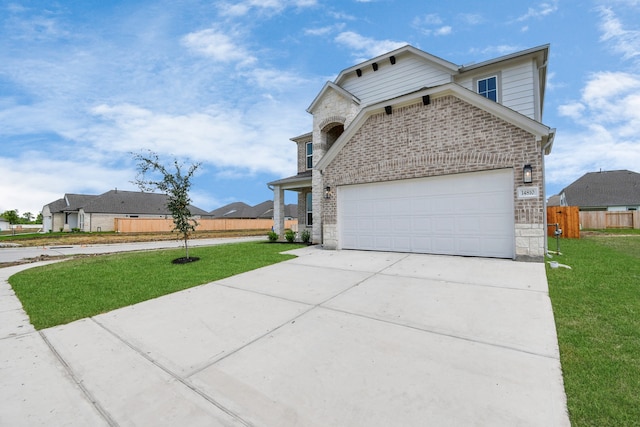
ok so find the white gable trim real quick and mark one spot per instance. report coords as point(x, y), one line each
point(543, 133)
point(331, 86)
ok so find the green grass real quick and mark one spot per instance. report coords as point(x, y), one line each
point(63, 292)
point(597, 310)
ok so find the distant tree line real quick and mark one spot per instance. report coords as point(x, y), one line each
point(13, 217)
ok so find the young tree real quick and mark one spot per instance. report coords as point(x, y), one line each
point(12, 217)
point(175, 185)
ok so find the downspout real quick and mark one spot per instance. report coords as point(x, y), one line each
point(544, 148)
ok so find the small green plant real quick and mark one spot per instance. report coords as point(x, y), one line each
point(75, 230)
point(305, 236)
point(290, 235)
point(273, 236)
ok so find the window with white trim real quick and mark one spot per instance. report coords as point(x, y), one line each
point(309, 209)
point(489, 88)
point(309, 149)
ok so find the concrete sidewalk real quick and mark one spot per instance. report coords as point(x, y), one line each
point(17, 253)
point(331, 338)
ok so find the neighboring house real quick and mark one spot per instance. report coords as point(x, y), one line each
point(602, 191)
point(232, 210)
point(97, 213)
point(263, 210)
point(4, 224)
point(412, 153)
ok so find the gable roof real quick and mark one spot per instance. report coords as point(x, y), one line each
point(543, 133)
point(232, 210)
point(541, 53)
point(605, 188)
point(262, 210)
point(332, 86)
point(118, 202)
point(133, 202)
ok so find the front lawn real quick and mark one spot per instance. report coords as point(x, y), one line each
point(597, 310)
point(63, 292)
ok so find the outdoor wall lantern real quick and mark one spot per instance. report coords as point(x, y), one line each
point(527, 174)
point(327, 192)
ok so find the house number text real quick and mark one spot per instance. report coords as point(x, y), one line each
point(527, 192)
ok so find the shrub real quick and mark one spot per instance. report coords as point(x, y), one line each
point(305, 236)
point(273, 236)
point(290, 235)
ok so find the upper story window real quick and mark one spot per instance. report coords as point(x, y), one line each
point(489, 88)
point(309, 149)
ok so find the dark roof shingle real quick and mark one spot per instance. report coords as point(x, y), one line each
point(605, 188)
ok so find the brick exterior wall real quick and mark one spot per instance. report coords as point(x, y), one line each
point(446, 137)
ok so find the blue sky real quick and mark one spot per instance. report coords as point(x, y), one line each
point(227, 83)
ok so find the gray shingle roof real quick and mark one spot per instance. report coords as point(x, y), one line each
point(261, 210)
point(606, 188)
point(232, 210)
point(118, 202)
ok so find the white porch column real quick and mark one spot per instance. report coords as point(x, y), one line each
point(278, 210)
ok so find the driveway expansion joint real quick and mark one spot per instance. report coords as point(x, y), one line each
point(87, 394)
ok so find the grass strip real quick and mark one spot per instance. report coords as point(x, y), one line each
point(597, 310)
point(63, 292)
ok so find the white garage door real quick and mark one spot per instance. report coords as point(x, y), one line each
point(463, 214)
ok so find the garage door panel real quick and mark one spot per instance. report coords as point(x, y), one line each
point(464, 214)
point(443, 224)
point(443, 245)
point(383, 225)
point(402, 225)
point(467, 225)
point(493, 224)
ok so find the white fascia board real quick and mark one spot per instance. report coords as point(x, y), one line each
point(328, 86)
point(302, 138)
point(539, 50)
point(543, 133)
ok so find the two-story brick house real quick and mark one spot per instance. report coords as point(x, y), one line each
point(412, 153)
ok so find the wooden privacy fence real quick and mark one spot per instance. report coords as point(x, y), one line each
point(569, 219)
point(159, 225)
point(600, 220)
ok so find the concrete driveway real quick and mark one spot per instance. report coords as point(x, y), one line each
point(331, 338)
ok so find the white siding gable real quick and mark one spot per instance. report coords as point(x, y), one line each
point(408, 74)
point(517, 86)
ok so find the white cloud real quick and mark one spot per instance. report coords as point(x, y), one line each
point(429, 19)
point(242, 8)
point(254, 141)
point(471, 18)
point(272, 79)
point(623, 41)
point(323, 31)
point(47, 179)
point(218, 46)
point(365, 46)
point(431, 24)
point(542, 10)
point(499, 50)
point(442, 31)
point(608, 119)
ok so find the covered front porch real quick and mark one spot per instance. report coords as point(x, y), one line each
point(301, 184)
